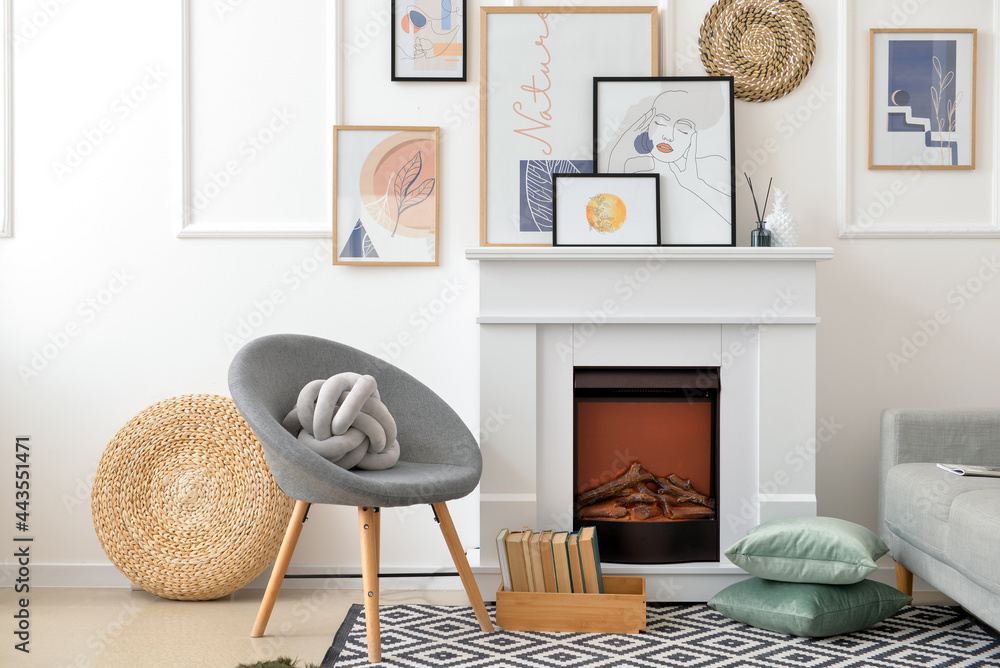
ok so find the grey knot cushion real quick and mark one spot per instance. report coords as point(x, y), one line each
point(344, 420)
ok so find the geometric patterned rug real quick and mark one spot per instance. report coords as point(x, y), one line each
point(676, 636)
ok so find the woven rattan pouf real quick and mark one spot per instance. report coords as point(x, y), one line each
point(184, 504)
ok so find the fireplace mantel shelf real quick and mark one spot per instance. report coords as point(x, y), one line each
point(647, 285)
point(669, 254)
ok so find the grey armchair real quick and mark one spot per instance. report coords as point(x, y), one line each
point(439, 459)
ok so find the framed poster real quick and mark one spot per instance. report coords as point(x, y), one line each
point(537, 67)
point(385, 195)
point(922, 99)
point(428, 40)
point(682, 129)
point(606, 210)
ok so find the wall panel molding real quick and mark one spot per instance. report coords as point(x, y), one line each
point(852, 140)
point(186, 222)
point(6, 136)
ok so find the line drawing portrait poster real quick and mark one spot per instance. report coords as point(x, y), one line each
point(682, 129)
point(536, 81)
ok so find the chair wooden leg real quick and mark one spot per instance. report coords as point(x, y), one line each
point(378, 536)
point(368, 524)
point(904, 579)
point(462, 564)
point(280, 567)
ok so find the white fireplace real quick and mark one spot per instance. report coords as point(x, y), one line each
point(750, 312)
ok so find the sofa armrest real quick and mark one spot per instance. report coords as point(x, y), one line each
point(957, 436)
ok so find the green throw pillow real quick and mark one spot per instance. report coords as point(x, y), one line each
point(812, 610)
point(821, 550)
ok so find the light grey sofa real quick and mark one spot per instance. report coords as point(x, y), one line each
point(943, 527)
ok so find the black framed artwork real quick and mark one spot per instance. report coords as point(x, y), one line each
point(606, 210)
point(428, 40)
point(681, 128)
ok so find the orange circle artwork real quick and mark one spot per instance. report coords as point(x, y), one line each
point(606, 213)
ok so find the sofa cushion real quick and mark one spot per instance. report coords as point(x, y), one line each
point(821, 550)
point(918, 502)
point(974, 536)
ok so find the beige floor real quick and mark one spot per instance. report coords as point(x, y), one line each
point(120, 628)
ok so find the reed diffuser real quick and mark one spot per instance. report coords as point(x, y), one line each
point(761, 236)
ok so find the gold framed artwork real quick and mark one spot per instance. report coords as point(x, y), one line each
point(537, 66)
point(922, 98)
point(385, 195)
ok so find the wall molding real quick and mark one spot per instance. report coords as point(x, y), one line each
point(847, 141)
point(668, 28)
point(186, 225)
point(6, 134)
point(844, 69)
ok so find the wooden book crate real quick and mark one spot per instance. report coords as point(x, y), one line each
point(620, 609)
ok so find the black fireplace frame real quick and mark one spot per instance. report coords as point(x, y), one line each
point(653, 542)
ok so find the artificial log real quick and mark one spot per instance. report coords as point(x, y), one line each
point(639, 495)
point(640, 513)
point(631, 479)
point(603, 511)
point(691, 513)
point(682, 492)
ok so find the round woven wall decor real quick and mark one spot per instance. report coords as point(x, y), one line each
point(184, 504)
point(767, 46)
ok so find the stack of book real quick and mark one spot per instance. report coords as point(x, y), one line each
point(550, 561)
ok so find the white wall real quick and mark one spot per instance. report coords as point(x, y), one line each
point(106, 231)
